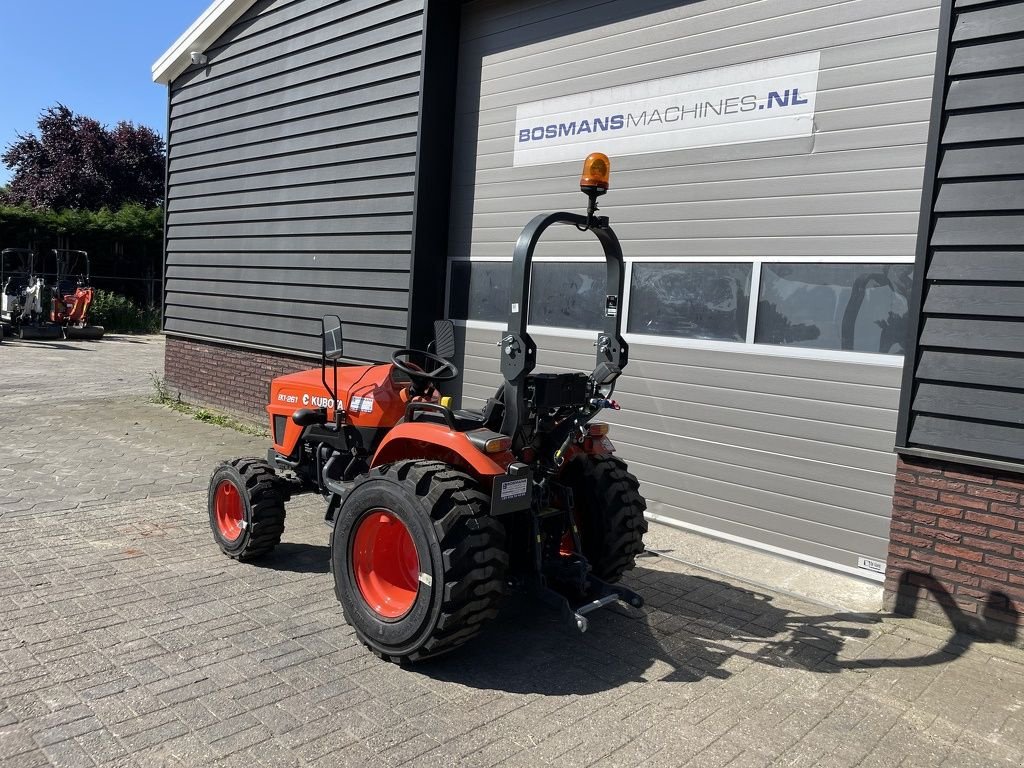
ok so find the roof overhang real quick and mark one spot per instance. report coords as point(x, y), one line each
point(204, 32)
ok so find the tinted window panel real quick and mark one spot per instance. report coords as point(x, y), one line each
point(856, 307)
point(568, 295)
point(690, 301)
point(479, 291)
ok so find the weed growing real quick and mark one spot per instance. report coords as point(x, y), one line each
point(162, 396)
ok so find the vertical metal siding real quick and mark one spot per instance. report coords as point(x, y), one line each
point(785, 452)
point(964, 394)
point(290, 177)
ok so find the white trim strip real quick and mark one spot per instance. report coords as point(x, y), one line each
point(204, 31)
point(859, 572)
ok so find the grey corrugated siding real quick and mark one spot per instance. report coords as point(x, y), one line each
point(967, 392)
point(290, 186)
point(790, 453)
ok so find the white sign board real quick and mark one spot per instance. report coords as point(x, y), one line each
point(759, 101)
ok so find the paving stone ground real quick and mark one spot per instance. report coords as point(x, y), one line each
point(126, 639)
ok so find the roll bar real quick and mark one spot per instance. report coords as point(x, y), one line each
point(518, 351)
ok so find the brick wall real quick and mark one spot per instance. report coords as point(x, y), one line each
point(956, 547)
point(225, 377)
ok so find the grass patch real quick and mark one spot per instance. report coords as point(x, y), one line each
point(162, 396)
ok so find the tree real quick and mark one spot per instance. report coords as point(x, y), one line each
point(76, 162)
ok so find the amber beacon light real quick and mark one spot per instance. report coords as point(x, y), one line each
point(597, 169)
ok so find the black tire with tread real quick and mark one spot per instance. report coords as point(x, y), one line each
point(463, 547)
point(610, 511)
point(263, 500)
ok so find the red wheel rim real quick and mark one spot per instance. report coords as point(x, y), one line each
point(228, 510)
point(385, 564)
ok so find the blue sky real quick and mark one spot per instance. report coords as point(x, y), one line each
point(95, 57)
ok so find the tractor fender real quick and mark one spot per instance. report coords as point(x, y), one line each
point(418, 440)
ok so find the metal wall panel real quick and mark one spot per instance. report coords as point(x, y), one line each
point(291, 175)
point(789, 453)
point(963, 396)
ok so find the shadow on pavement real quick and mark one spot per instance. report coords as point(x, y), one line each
point(297, 558)
point(692, 627)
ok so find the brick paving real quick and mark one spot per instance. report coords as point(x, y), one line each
point(126, 639)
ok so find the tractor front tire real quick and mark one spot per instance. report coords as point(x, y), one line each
point(419, 564)
point(246, 506)
point(609, 512)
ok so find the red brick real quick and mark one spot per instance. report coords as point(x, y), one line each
point(933, 559)
point(1011, 591)
point(1002, 562)
point(914, 541)
point(962, 527)
point(957, 551)
point(994, 520)
point(987, 544)
point(917, 465)
point(943, 483)
point(898, 526)
point(939, 509)
point(983, 570)
point(971, 478)
point(1007, 536)
point(1016, 482)
point(993, 494)
point(960, 500)
point(917, 517)
point(1010, 510)
point(897, 564)
point(1019, 553)
point(954, 576)
point(902, 501)
point(935, 533)
point(896, 550)
point(1016, 578)
point(906, 477)
point(970, 592)
point(921, 493)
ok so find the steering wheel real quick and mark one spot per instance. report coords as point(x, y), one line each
point(444, 370)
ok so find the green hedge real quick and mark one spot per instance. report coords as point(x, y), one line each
point(119, 314)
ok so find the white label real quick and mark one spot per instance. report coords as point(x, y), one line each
point(427, 579)
point(513, 489)
point(871, 565)
point(361, 405)
point(515, 307)
point(757, 101)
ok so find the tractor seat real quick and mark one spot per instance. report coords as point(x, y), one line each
point(467, 418)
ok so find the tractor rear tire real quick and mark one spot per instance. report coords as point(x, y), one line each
point(419, 564)
point(246, 506)
point(609, 512)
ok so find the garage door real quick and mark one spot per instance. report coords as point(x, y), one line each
point(769, 260)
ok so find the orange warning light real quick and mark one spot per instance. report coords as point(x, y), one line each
point(597, 169)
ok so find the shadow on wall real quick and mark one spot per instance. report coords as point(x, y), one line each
point(998, 620)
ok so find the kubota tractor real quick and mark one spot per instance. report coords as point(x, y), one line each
point(436, 512)
point(72, 295)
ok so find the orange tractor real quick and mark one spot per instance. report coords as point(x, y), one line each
point(437, 512)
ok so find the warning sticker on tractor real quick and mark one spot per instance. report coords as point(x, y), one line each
point(361, 405)
point(513, 489)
